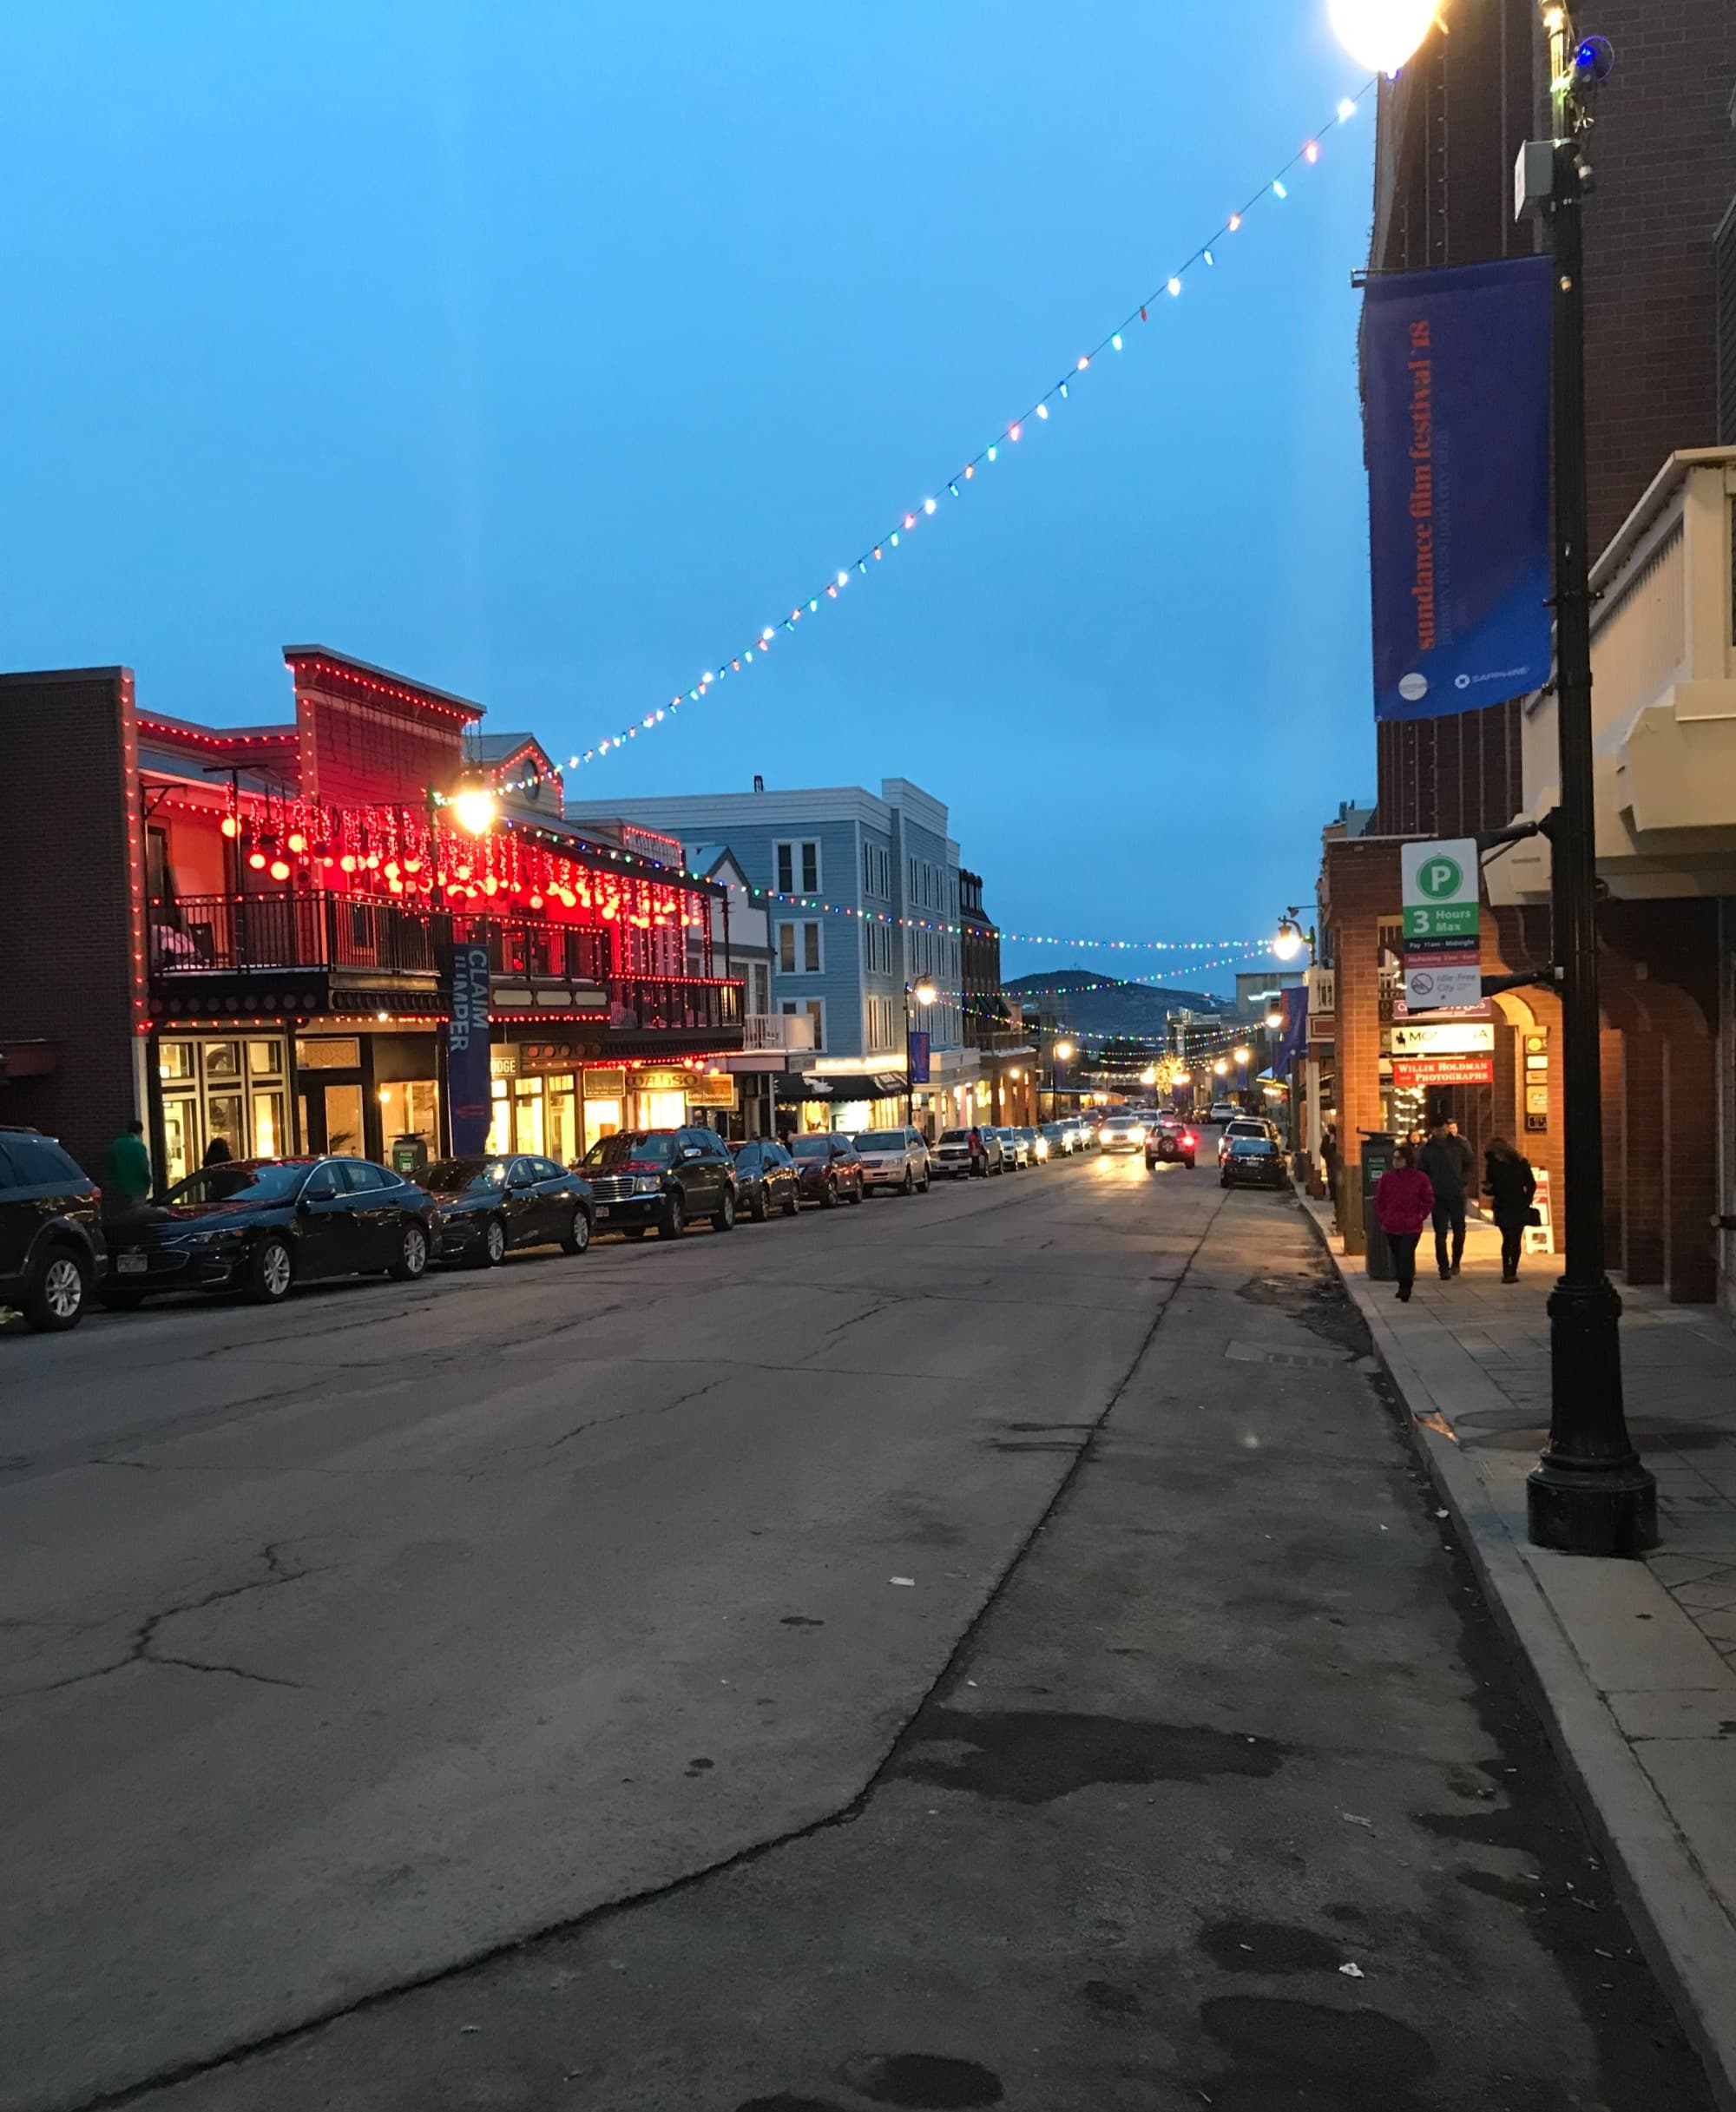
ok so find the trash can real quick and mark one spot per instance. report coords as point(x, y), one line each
point(1378, 1149)
point(410, 1156)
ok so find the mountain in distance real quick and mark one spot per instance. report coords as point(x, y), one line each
point(1097, 1004)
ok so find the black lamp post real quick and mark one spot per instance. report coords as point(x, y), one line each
point(915, 994)
point(1589, 1494)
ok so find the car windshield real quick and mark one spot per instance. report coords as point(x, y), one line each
point(881, 1139)
point(812, 1147)
point(1248, 1127)
point(236, 1181)
point(462, 1176)
point(632, 1148)
point(1252, 1146)
point(955, 1136)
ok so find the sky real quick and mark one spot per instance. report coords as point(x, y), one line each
point(546, 349)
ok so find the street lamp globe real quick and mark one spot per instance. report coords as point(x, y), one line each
point(1274, 1019)
point(474, 808)
point(1220, 1069)
point(1382, 34)
point(1288, 942)
point(1241, 1055)
point(1064, 1052)
point(925, 993)
point(1148, 1076)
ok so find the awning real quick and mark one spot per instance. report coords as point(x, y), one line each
point(839, 1087)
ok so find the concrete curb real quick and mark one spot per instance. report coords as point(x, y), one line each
point(1682, 1928)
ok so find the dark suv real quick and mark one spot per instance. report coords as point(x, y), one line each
point(663, 1177)
point(52, 1253)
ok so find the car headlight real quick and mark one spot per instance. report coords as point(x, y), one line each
point(646, 1184)
point(219, 1235)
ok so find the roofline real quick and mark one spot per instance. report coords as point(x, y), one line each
point(18, 677)
point(449, 697)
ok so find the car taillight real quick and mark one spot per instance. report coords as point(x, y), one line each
point(96, 1198)
point(1190, 1139)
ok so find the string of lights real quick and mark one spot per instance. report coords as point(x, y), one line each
point(816, 904)
point(954, 485)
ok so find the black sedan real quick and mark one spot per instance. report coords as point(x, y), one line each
point(768, 1179)
point(489, 1205)
point(1254, 1162)
point(258, 1226)
point(829, 1168)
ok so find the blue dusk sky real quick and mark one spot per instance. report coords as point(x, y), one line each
point(546, 349)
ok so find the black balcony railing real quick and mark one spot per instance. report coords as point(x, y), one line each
point(230, 934)
point(672, 1003)
point(558, 951)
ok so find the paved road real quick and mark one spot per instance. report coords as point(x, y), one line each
point(353, 1644)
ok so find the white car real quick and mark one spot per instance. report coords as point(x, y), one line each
point(1123, 1133)
point(894, 1159)
point(952, 1158)
point(1016, 1146)
point(1223, 1111)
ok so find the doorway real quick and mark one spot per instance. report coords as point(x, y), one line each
point(332, 1116)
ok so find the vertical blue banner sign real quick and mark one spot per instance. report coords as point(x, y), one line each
point(1457, 366)
point(920, 1046)
point(467, 1051)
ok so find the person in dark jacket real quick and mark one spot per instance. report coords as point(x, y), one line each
point(1509, 1184)
point(217, 1152)
point(1403, 1200)
point(1447, 1160)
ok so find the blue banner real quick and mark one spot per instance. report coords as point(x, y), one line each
point(1292, 1042)
point(467, 1104)
point(1457, 368)
point(920, 1046)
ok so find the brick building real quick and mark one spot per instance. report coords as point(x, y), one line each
point(995, 1028)
point(1660, 294)
point(247, 932)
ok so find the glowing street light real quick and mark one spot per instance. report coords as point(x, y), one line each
point(1382, 34)
point(1288, 942)
point(1064, 1052)
point(474, 808)
point(1274, 1019)
point(1220, 1069)
point(1148, 1076)
point(925, 993)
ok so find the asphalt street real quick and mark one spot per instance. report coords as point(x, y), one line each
point(987, 1648)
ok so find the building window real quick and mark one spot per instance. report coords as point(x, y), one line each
point(798, 950)
point(798, 866)
point(808, 1008)
point(762, 987)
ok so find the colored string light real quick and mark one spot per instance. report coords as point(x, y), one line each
point(1306, 156)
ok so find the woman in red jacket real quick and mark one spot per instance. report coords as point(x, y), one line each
point(1404, 1200)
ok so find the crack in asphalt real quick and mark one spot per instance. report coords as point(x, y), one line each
point(141, 1648)
point(609, 1910)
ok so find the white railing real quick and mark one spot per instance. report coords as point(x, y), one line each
point(784, 1031)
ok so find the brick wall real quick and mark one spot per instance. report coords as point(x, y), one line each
point(68, 795)
point(1360, 887)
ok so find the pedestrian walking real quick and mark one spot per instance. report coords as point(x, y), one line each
point(129, 1167)
point(1448, 1163)
point(1329, 1158)
point(1509, 1184)
point(1402, 1203)
point(979, 1152)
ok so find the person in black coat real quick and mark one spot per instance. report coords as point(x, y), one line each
point(1509, 1184)
point(1448, 1162)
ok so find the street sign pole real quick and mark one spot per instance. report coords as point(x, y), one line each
point(1589, 1494)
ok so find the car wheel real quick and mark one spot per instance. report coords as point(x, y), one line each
point(723, 1218)
point(1188, 1163)
point(412, 1253)
point(828, 1196)
point(578, 1234)
point(673, 1221)
point(910, 1185)
point(758, 1209)
point(792, 1203)
point(271, 1270)
point(55, 1296)
point(922, 1185)
point(492, 1250)
point(860, 1190)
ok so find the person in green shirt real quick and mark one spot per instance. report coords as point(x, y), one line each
point(129, 1166)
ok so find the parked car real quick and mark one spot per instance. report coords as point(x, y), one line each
point(952, 1158)
point(829, 1168)
point(1255, 1163)
point(1037, 1144)
point(1016, 1151)
point(1243, 1125)
point(766, 1179)
point(1169, 1142)
point(665, 1178)
point(895, 1159)
point(1060, 1140)
point(260, 1226)
point(1121, 1133)
point(1223, 1111)
point(489, 1205)
point(52, 1251)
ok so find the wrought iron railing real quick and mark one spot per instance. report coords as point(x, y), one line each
point(216, 934)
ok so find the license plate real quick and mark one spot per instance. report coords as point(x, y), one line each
point(130, 1265)
point(601, 1211)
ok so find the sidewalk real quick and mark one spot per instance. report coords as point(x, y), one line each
point(1634, 1661)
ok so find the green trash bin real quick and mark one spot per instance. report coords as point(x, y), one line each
point(410, 1156)
point(1377, 1150)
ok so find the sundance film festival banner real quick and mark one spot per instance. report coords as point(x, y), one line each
point(1458, 446)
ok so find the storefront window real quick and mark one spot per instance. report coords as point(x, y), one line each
point(268, 1134)
point(233, 1090)
point(180, 1132)
point(500, 1119)
point(603, 1118)
point(411, 1110)
point(563, 1133)
point(662, 1110)
point(224, 1118)
point(176, 1059)
point(222, 1059)
point(526, 1115)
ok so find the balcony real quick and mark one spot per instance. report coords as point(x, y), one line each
point(776, 1033)
point(324, 955)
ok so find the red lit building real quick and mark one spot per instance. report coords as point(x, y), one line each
point(247, 932)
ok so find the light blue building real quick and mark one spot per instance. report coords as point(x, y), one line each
point(863, 903)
